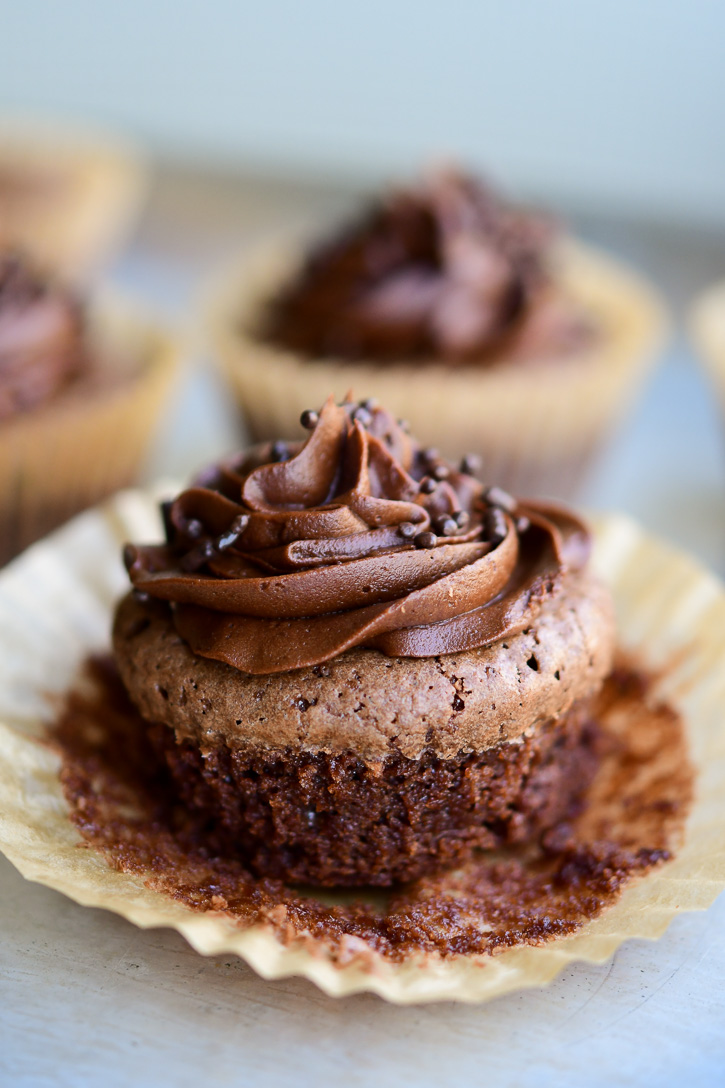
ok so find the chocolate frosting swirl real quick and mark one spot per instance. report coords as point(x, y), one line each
point(41, 337)
point(445, 270)
point(294, 553)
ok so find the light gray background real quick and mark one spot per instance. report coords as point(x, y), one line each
point(622, 102)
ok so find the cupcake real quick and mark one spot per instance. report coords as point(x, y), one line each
point(69, 198)
point(361, 665)
point(707, 324)
point(80, 388)
point(303, 689)
point(473, 320)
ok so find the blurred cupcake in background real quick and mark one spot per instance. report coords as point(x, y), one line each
point(67, 197)
point(80, 388)
point(474, 320)
point(707, 324)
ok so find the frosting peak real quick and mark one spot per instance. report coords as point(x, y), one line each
point(293, 553)
point(445, 270)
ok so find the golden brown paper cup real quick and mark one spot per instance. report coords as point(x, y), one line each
point(538, 425)
point(671, 614)
point(707, 325)
point(89, 441)
point(68, 197)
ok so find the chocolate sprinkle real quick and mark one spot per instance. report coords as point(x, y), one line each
point(426, 540)
point(494, 525)
point(280, 451)
point(496, 496)
point(471, 464)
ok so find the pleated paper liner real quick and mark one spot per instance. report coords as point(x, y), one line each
point(68, 196)
point(707, 325)
point(55, 608)
point(88, 442)
point(537, 425)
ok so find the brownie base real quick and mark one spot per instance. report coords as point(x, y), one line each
point(333, 820)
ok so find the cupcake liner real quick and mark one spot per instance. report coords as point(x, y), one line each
point(88, 442)
point(538, 425)
point(707, 325)
point(55, 607)
point(70, 197)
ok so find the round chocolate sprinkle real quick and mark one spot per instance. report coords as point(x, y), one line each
point(471, 464)
point(430, 455)
point(496, 496)
point(309, 419)
point(362, 416)
point(427, 485)
point(194, 528)
point(280, 451)
point(407, 530)
point(446, 526)
point(494, 525)
point(441, 472)
point(371, 404)
point(461, 518)
point(426, 540)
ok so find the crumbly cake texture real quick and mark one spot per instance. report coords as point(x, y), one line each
point(333, 820)
point(365, 702)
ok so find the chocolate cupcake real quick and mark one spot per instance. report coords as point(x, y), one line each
point(473, 319)
point(80, 388)
point(359, 663)
point(41, 338)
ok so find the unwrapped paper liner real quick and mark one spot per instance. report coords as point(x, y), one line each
point(537, 424)
point(85, 190)
point(55, 608)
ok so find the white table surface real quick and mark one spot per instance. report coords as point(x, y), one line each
point(87, 999)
